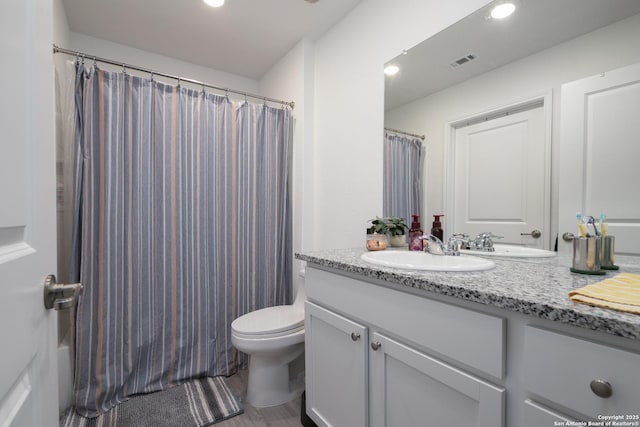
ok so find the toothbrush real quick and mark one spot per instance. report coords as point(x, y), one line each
point(580, 225)
point(603, 231)
point(591, 220)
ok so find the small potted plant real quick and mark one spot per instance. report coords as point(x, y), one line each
point(385, 231)
point(396, 230)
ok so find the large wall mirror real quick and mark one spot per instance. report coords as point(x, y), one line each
point(488, 94)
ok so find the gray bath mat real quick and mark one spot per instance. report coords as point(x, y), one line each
point(197, 403)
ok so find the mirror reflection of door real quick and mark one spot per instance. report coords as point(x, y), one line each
point(599, 156)
point(498, 169)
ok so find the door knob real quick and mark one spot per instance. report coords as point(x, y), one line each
point(534, 233)
point(376, 345)
point(59, 296)
point(355, 336)
point(567, 237)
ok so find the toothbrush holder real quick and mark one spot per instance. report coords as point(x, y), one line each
point(586, 255)
point(607, 253)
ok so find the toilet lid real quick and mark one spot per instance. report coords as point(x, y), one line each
point(270, 320)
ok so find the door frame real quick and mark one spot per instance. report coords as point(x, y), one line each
point(545, 101)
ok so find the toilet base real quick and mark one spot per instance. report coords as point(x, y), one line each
point(269, 380)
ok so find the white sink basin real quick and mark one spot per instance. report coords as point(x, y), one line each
point(513, 252)
point(424, 261)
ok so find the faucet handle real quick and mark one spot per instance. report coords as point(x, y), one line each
point(460, 235)
point(458, 240)
point(484, 241)
point(487, 235)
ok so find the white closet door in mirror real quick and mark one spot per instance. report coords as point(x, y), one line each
point(599, 155)
point(500, 178)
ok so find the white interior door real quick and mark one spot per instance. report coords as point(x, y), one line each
point(599, 154)
point(500, 178)
point(28, 377)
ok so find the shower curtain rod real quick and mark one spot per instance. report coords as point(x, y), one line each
point(57, 49)
point(404, 133)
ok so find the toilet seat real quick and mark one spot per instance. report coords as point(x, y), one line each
point(270, 322)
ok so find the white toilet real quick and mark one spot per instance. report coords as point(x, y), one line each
point(273, 337)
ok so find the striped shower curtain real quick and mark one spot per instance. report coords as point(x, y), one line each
point(184, 225)
point(402, 169)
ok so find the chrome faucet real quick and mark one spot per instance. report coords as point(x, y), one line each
point(435, 246)
point(484, 241)
point(459, 241)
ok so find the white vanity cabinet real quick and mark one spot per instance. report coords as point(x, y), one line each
point(410, 388)
point(374, 357)
point(387, 347)
point(336, 368)
point(584, 377)
point(537, 415)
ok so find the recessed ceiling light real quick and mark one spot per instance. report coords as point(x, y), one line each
point(390, 70)
point(502, 10)
point(214, 3)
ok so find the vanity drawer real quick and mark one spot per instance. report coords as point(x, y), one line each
point(537, 415)
point(469, 337)
point(561, 369)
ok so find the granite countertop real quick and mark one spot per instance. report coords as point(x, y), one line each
point(536, 287)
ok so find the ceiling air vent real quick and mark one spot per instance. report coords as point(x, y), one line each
point(463, 60)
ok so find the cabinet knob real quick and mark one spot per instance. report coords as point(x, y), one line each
point(601, 388)
point(355, 336)
point(375, 345)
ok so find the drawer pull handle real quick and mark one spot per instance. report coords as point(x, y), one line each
point(355, 336)
point(601, 388)
point(375, 345)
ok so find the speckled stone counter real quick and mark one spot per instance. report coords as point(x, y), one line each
point(536, 287)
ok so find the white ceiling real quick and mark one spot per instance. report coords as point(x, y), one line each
point(243, 37)
point(536, 25)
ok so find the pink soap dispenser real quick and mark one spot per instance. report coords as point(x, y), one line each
point(415, 232)
point(436, 229)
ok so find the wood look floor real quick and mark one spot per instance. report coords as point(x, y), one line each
point(287, 415)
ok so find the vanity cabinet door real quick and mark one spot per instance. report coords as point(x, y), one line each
point(536, 415)
point(336, 368)
point(410, 388)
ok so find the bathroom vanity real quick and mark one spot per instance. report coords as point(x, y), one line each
point(504, 347)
